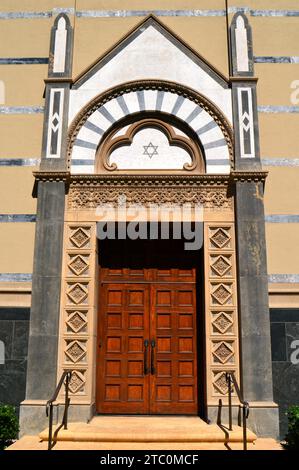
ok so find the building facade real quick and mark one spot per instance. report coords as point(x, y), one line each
point(193, 110)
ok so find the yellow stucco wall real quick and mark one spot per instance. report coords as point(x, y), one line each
point(21, 134)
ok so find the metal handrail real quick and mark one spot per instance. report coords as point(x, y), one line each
point(65, 378)
point(244, 405)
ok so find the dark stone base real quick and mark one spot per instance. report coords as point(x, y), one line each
point(33, 417)
point(263, 418)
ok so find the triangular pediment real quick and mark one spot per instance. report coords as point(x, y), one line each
point(151, 50)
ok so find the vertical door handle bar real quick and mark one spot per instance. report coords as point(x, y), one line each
point(145, 366)
point(153, 344)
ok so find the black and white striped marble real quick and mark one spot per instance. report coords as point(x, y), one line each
point(208, 131)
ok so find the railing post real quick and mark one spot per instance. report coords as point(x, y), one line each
point(50, 427)
point(66, 403)
point(230, 411)
point(244, 418)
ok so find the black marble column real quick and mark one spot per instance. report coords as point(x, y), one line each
point(254, 320)
point(45, 306)
point(255, 347)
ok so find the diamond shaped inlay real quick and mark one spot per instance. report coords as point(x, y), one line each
point(75, 351)
point(77, 382)
point(77, 293)
point(220, 238)
point(221, 265)
point(222, 322)
point(220, 383)
point(78, 265)
point(76, 321)
point(223, 352)
point(221, 294)
point(80, 237)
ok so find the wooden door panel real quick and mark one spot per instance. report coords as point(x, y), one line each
point(132, 312)
point(173, 320)
point(123, 326)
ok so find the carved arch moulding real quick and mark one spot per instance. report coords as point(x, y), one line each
point(159, 99)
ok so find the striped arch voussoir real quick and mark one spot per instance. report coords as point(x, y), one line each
point(203, 117)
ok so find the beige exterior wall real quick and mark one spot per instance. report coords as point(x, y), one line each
point(16, 240)
point(21, 134)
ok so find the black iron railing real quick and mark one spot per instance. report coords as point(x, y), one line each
point(64, 379)
point(243, 407)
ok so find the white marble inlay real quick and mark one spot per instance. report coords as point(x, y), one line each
point(60, 47)
point(88, 135)
point(201, 120)
point(211, 135)
point(168, 102)
point(150, 99)
point(150, 150)
point(114, 109)
point(132, 102)
point(100, 120)
point(55, 122)
point(186, 109)
point(241, 45)
point(82, 169)
point(82, 153)
point(218, 169)
point(217, 153)
point(246, 123)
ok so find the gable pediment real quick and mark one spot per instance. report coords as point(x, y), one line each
point(151, 51)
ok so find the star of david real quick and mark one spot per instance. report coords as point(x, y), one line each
point(150, 150)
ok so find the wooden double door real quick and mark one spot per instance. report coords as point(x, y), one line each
point(147, 338)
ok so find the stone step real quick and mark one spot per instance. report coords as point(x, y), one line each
point(146, 429)
point(34, 443)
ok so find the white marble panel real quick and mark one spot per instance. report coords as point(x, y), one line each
point(114, 109)
point(98, 119)
point(168, 103)
point(60, 47)
point(82, 153)
point(211, 135)
point(241, 46)
point(186, 109)
point(88, 135)
point(217, 153)
point(150, 99)
point(82, 169)
point(201, 120)
point(218, 169)
point(132, 102)
point(150, 150)
point(79, 99)
point(152, 55)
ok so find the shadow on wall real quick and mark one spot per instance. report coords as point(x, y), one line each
point(285, 361)
point(14, 332)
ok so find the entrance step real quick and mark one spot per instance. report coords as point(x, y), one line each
point(34, 443)
point(143, 429)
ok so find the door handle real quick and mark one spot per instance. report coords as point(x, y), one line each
point(145, 366)
point(153, 345)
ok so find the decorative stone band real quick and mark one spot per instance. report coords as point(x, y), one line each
point(210, 191)
point(203, 117)
point(152, 180)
